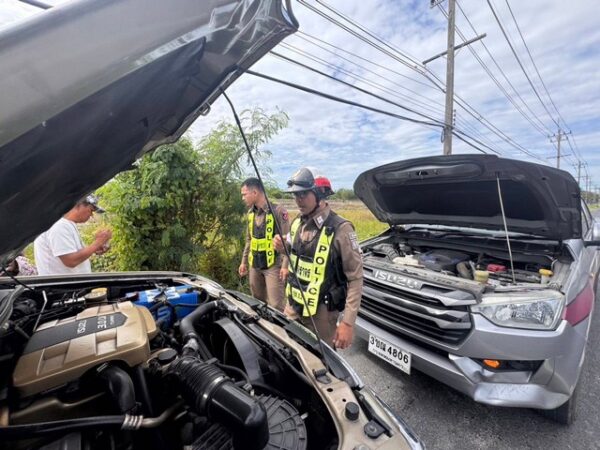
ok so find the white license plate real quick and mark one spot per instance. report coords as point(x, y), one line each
point(390, 353)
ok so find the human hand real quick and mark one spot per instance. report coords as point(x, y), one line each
point(283, 273)
point(343, 335)
point(102, 236)
point(243, 270)
point(102, 250)
point(278, 243)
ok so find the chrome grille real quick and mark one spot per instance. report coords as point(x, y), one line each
point(416, 313)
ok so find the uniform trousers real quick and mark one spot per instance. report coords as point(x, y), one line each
point(266, 286)
point(325, 321)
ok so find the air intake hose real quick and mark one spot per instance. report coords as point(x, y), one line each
point(210, 392)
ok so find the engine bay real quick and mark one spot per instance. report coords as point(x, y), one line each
point(485, 259)
point(159, 364)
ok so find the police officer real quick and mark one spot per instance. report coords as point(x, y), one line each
point(326, 260)
point(267, 268)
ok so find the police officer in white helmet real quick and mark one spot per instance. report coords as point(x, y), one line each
point(326, 274)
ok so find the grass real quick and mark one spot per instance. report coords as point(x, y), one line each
point(364, 221)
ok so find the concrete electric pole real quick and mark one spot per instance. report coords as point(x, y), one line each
point(558, 136)
point(449, 79)
point(449, 110)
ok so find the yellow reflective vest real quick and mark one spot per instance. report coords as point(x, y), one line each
point(310, 272)
point(262, 245)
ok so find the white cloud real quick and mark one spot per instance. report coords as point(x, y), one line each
point(343, 140)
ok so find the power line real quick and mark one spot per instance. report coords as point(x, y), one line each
point(520, 63)
point(305, 36)
point(461, 133)
point(575, 150)
point(462, 136)
point(308, 38)
point(359, 77)
point(370, 33)
point(364, 91)
point(533, 62)
point(426, 73)
point(545, 132)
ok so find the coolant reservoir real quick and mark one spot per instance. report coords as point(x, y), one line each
point(481, 276)
point(408, 260)
point(546, 274)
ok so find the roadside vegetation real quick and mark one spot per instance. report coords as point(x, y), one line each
point(179, 208)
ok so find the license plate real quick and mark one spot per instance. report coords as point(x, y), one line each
point(390, 353)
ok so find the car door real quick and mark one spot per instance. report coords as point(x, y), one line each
point(591, 231)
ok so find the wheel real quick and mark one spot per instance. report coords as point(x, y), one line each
point(565, 413)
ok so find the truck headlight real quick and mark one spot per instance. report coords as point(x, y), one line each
point(536, 314)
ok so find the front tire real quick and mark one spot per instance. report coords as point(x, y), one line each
point(565, 413)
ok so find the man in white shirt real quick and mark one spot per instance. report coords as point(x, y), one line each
point(60, 249)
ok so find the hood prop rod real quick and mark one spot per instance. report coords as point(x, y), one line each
point(277, 227)
point(512, 266)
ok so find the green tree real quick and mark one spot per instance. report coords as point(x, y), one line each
point(344, 194)
point(155, 210)
point(180, 207)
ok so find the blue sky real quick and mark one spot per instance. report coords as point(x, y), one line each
point(342, 141)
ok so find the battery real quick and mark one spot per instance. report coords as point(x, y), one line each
point(178, 296)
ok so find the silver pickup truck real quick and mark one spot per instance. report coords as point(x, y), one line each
point(485, 280)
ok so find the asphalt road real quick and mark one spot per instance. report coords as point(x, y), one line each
point(447, 419)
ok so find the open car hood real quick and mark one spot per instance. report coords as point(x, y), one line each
point(462, 190)
point(90, 86)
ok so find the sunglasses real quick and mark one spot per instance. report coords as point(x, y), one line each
point(301, 194)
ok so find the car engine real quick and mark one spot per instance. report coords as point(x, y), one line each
point(469, 257)
point(148, 365)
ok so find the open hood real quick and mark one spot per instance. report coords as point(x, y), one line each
point(462, 190)
point(90, 86)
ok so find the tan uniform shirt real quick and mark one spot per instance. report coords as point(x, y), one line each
point(281, 216)
point(345, 242)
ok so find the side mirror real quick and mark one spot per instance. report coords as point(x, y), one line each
point(596, 231)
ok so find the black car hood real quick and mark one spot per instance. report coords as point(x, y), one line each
point(90, 86)
point(462, 190)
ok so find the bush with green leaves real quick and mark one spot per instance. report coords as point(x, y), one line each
point(180, 209)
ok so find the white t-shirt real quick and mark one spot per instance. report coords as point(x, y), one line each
point(61, 239)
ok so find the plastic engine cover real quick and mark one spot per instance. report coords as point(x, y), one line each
point(439, 260)
point(62, 350)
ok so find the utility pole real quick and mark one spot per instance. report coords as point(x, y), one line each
point(449, 79)
point(578, 173)
point(558, 137)
point(558, 149)
point(585, 187)
point(449, 110)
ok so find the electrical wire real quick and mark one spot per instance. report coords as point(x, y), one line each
point(389, 80)
point(537, 94)
point(305, 36)
point(462, 136)
point(430, 76)
point(364, 91)
point(545, 132)
point(533, 62)
point(574, 150)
